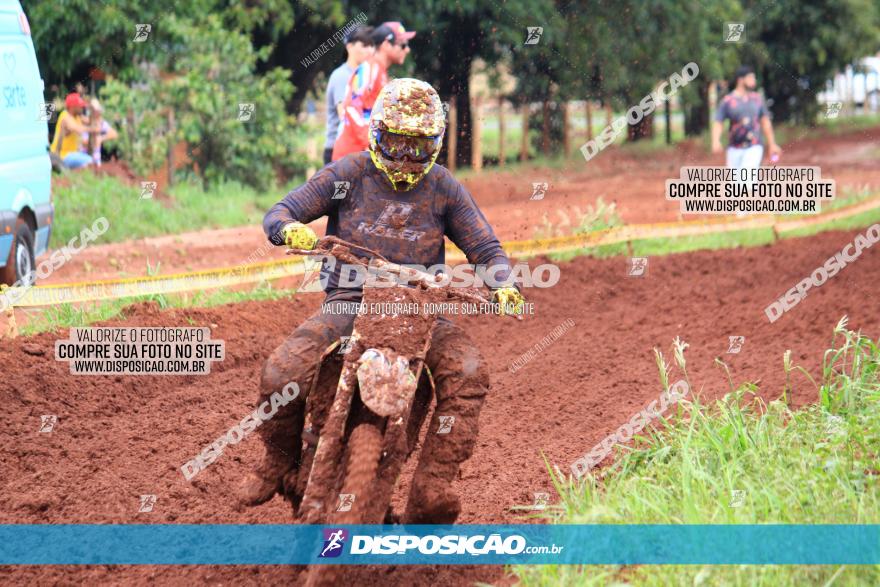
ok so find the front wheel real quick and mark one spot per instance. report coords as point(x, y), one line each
point(20, 264)
point(355, 499)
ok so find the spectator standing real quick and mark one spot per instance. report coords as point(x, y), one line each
point(392, 47)
point(359, 45)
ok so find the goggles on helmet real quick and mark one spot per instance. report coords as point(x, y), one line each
point(418, 149)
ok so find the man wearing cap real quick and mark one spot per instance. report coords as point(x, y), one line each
point(359, 45)
point(392, 47)
point(69, 129)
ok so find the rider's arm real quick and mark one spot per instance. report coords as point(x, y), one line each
point(471, 232)
point(308, 202)
point(72, 126)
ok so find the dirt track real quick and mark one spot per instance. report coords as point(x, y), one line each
point(118, 438)
point(634, 182)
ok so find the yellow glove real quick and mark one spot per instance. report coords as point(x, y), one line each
point(299, 236)
point(510, 300)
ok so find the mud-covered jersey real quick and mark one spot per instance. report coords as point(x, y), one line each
point(404, 227)
point(745, 113)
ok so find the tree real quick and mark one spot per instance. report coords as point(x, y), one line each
point(796, 47)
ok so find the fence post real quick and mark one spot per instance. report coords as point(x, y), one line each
point(477, 134)
point(452, 134)
point(170, 158)
point(566, 135)
point(312, 154)
point(524, 143)
point(545, 127)
point(589, 120)
point(501, 155)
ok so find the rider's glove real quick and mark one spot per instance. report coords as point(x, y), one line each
point(510, 300)
point(299, 236)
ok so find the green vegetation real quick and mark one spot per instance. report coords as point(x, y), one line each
point(599, 217)
point(203, 66)
point(751, 237)
point(815, 465)
point(82, 197)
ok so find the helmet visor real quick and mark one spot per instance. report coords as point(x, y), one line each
point(397, 146)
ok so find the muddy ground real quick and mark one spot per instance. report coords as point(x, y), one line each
point(120, 437)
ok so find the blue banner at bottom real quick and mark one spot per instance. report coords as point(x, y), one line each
point(197, 544)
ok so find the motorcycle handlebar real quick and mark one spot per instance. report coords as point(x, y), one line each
point(342, 250)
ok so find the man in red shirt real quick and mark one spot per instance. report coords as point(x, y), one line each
point(392, 47)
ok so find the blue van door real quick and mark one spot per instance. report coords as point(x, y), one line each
point(25, 169)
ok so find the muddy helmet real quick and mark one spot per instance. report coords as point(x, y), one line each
point(406, 131)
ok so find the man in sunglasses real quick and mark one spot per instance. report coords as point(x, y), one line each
point(398, 203)
point(392, 47)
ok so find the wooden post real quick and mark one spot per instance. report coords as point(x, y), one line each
point(668, 112)
point(477, 134)
point(566, 134)
point(589, 109)
point(524, 143)
point(171, 143)
point(545, 128)
point(608, 114)
point(501, 154)
point(452, 134)
point(311, 154)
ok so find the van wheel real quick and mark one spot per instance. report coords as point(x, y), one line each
point(20, 265)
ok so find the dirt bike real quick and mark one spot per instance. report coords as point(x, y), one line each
point(356, 441)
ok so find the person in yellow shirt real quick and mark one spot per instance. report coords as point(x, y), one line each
point(69, 129)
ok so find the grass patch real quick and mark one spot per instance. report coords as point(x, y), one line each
point(752, 237)
point(664, 246)
point(84, 197)
point(594, 218)
point(740, 461)
point(76, 315)
point(861, 220)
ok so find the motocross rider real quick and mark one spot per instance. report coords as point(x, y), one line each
point(398, 203)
